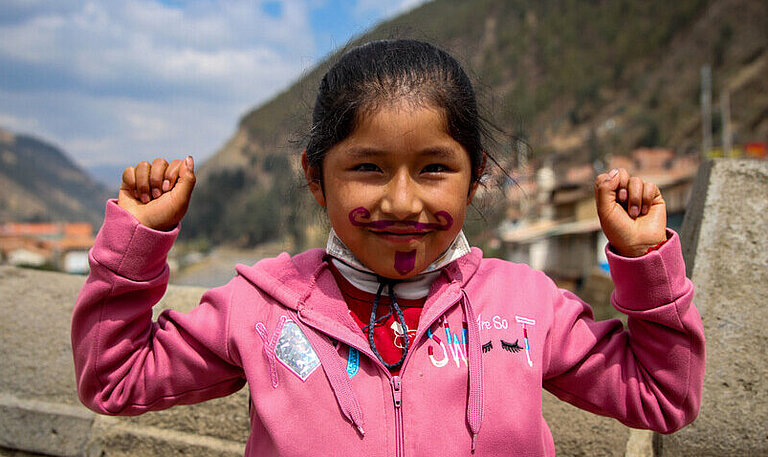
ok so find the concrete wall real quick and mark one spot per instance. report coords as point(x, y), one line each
point(39, 408)
point(725, 238)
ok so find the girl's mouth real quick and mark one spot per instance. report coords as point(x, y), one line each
point(401, 236)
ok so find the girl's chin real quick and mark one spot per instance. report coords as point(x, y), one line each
point(404, 265)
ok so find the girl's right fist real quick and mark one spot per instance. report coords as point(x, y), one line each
point(158, 194)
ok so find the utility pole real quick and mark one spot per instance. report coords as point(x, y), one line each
point(706, 111)
point(725, 113)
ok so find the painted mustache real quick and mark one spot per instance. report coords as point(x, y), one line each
point(359, 218)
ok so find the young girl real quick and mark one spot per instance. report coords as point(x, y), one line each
point(398, 338)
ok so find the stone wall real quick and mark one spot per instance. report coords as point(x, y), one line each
point(725, 236)
point(725, 241)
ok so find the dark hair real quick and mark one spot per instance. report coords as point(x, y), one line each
point(379, 72)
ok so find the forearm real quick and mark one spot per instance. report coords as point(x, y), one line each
point(125, 363)
point(648, 376)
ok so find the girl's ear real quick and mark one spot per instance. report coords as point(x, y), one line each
point(476, 182)
point(312, 175)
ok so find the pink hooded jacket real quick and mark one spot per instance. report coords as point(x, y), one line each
point(492, 334)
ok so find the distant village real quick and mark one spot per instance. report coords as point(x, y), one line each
point(61, 246)
point(551, 221)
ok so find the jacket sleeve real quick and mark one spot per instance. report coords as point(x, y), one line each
point(125, 363)
point(649, 375)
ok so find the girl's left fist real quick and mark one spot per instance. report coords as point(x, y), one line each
point(632, 212)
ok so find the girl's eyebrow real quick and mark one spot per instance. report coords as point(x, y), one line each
point(438, 152)
point(361, 152)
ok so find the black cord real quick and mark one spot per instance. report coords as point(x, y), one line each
point(399, 315)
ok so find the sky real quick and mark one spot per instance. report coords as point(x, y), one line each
point(114, 82)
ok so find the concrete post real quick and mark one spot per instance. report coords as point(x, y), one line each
point(725, 241)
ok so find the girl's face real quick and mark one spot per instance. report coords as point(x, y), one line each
point(397, 189)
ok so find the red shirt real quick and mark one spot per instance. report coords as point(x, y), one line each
point(387, 334)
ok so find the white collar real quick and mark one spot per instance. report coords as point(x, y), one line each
point(365, 279)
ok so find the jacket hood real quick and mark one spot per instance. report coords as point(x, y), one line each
point(290, 280)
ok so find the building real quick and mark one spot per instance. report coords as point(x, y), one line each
point(59, 246)
point(562, 234)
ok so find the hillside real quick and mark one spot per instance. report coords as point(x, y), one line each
point(39, 183)
point(576, 79)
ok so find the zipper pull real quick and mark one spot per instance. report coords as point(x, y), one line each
point(397, 394)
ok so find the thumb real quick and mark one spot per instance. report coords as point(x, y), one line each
point(186, 182)
point(605, 191)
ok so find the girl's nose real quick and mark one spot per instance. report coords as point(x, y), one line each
point(401, 199)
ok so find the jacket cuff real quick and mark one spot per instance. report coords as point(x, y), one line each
point(651, 280)
point(129, 248)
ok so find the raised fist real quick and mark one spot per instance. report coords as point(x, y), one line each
point(158, 194)
point(632, 212)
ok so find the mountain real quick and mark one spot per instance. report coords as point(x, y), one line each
point(576, 79)
point(107, 174)
point(39, 183)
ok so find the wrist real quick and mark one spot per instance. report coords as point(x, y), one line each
point(656, 246)
point(638, 250)
point(160, 227)
point(633, 252)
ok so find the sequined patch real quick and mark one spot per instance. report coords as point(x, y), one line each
point(295, 352)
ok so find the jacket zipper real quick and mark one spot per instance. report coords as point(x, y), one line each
point(395, 382)
point(397, 397)
point(397, 388)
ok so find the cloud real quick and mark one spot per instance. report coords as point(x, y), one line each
point(142, 47)
point(118, 82)
point(18, 124)
point(98, 129)
point(137, 78)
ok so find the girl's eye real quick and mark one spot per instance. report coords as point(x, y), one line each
point(366, 167)
point(435, 168)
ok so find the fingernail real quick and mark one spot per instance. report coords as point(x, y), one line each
point(613, 172)
point(645, 209)
point(166, 185)
point(634, 211)
point(144, 198)
point(623, 194)
point(156, 193)
point(190, 163)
